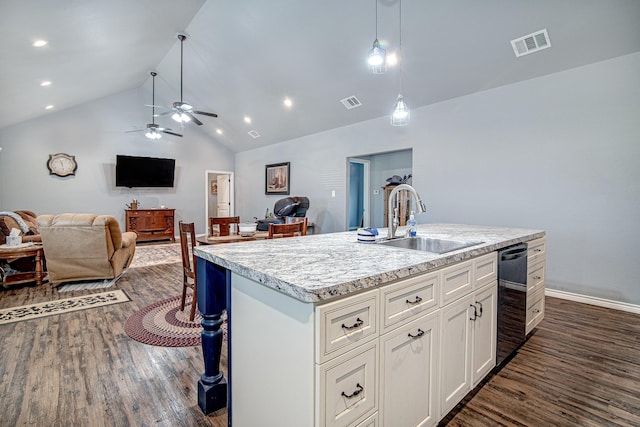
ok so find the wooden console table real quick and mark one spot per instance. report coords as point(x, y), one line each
point(151, 224)
point(12, 253)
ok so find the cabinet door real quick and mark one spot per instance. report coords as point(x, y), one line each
point(455, 352)
point(484, 332)
point(408, 379)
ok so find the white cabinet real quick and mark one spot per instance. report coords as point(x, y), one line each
point(484, 330)
point(536, 282)
point(408, 374)
point(467, 344)
point(348, 387)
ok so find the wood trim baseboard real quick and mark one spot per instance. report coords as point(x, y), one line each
point(601, 302)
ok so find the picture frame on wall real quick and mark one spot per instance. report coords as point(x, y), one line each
point(277, 178)
point(214, 187)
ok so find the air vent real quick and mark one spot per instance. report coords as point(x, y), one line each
point(351, 102)
point(254, 134)
point(531, 43)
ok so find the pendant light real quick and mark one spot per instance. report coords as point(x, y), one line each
point(377, 59)
point(401, 113)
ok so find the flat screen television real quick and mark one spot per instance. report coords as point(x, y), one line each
point(132, 171)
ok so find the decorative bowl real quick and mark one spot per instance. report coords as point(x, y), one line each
point(247, 228)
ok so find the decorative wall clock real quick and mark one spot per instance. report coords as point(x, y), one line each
point(62, 164)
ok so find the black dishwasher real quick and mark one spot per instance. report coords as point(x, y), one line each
point(512, 300)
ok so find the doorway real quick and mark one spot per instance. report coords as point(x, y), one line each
point(219, 195)
point(359, 182)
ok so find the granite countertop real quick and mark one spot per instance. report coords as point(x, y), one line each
point(317, 268)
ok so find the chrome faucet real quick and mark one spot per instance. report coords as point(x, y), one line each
point(392, 212)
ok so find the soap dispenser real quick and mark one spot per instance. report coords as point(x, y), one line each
point(412, 231)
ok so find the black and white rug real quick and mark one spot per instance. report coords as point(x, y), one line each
point(66, 305)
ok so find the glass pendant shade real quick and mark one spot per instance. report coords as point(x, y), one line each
point(401, 113)
point(377, 58)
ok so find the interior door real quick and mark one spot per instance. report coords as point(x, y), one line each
point(224, 191)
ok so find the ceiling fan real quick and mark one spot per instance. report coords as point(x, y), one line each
point(183, 112)
point(154, 130)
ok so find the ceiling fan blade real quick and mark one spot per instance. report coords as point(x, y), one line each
point(205, 113)
point(192, 117)
point(169, 132)
point(156, 106)
point(163, 114)
point(136, 130)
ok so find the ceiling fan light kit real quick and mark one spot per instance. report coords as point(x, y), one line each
point(154, 131)
point(183, 112)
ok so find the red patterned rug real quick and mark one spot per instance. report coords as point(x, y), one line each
point(164, 324)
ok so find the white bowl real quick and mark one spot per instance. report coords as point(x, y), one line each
point(247, 228)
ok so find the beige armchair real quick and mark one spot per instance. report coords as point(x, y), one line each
point(84, 246)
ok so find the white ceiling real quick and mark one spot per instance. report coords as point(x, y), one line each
point(244, 57)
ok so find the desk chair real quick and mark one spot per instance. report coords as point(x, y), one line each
point(189, 280)
point(223, 222)
point(288, 230)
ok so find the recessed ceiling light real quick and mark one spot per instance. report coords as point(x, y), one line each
point(219, 131)
point(48, 107)
point(288, 102)
point(45, 83)
point(247, 119)
point(39, 43)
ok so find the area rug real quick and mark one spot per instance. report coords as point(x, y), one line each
point(147, 255)
point(36, 311)
point(164, 324)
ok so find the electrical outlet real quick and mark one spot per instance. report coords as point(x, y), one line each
point(376, 192)
point(333, 193)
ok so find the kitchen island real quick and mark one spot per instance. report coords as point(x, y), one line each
point(316, 322)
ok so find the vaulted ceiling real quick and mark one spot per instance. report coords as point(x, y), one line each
point(244, 57)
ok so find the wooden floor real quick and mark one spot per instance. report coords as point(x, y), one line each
point(580, 368)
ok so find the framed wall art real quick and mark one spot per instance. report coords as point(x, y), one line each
point(277, 178)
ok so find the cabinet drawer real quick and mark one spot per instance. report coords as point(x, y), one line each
point(455, 282)
point(535, 277)
point(408, 299)
point(372, 421)
point(536, 250)
point(535, 310)
point(485, 269)
point(345, 324)
point(348, 387)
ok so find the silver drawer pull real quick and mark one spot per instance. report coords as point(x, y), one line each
point(418, 335)
point(535, 310)
point(480, 311)
point(537, 277)
point(417, 300)
point(358, 323)
point(357, 391)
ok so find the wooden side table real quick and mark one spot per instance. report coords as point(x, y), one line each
point(25, 250)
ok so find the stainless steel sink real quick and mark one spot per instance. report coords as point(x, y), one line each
point(426, 244)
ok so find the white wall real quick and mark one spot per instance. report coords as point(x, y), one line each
point(95, 133)
point(559, 153)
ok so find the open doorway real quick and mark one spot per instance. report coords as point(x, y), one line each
point(359, 183)
point(380, 167)
point(219, 195)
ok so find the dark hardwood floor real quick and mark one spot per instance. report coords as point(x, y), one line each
point(581, 367)
point(81, 368)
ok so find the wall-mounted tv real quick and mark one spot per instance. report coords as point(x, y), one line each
point(132, 171)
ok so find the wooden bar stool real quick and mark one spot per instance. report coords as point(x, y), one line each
point(189, 278)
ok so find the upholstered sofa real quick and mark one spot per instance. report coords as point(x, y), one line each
point(25, 221)
point(84, 246)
